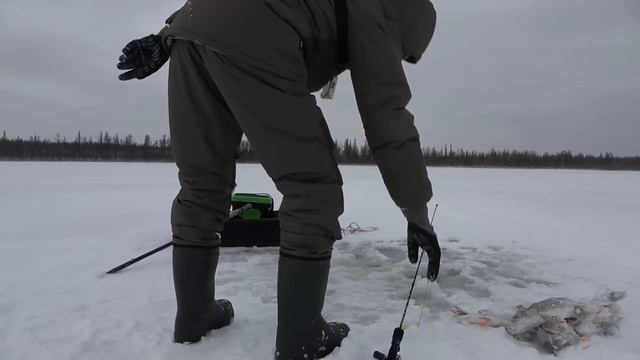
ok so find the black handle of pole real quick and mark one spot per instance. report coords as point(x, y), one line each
point(379, 356)
point(398, 334)
point(233, 214)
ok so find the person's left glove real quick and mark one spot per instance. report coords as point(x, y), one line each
point(142, 57)
point(417, 238)
point(420, 234)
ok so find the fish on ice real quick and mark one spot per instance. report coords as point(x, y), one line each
point(555, 323)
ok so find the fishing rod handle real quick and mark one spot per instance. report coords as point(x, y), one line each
point(379, 356)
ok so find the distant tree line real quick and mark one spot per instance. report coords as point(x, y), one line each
point(351, 153)
point(105, 147)
point(109, 147)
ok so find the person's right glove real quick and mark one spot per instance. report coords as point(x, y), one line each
point(142, 57)
point(417, 238)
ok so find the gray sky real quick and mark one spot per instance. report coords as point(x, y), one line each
point(545, 75)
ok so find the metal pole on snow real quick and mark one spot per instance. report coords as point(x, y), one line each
point(233, 214)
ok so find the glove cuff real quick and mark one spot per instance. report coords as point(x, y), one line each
point(418, 215)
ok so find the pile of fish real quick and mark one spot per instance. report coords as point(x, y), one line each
point(555, 323)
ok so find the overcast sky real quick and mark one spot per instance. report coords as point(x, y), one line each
point(544, 75)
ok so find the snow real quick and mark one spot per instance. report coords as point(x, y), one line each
point(509, 236)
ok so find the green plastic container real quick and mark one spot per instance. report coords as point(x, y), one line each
point(258, 226)
point(261, 205)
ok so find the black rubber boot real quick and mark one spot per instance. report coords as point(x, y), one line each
point(194, 270)
point(303, 334)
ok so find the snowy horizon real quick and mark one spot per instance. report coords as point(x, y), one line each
point(509, 237)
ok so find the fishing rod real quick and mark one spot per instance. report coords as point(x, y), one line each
point(125, 265)
point(398, 333)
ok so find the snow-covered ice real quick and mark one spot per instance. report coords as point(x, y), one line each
point(509, 236)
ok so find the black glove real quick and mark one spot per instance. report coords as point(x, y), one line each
point(142, 57)
point(417, 237)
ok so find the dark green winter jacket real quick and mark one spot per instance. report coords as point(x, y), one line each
point(381, 33)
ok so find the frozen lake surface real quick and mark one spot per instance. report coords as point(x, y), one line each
point(510, 237)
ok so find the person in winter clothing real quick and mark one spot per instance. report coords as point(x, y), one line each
point(250, 67)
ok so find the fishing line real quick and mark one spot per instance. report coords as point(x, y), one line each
point(354, 228)
point(424, 300)
point(424, 275)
